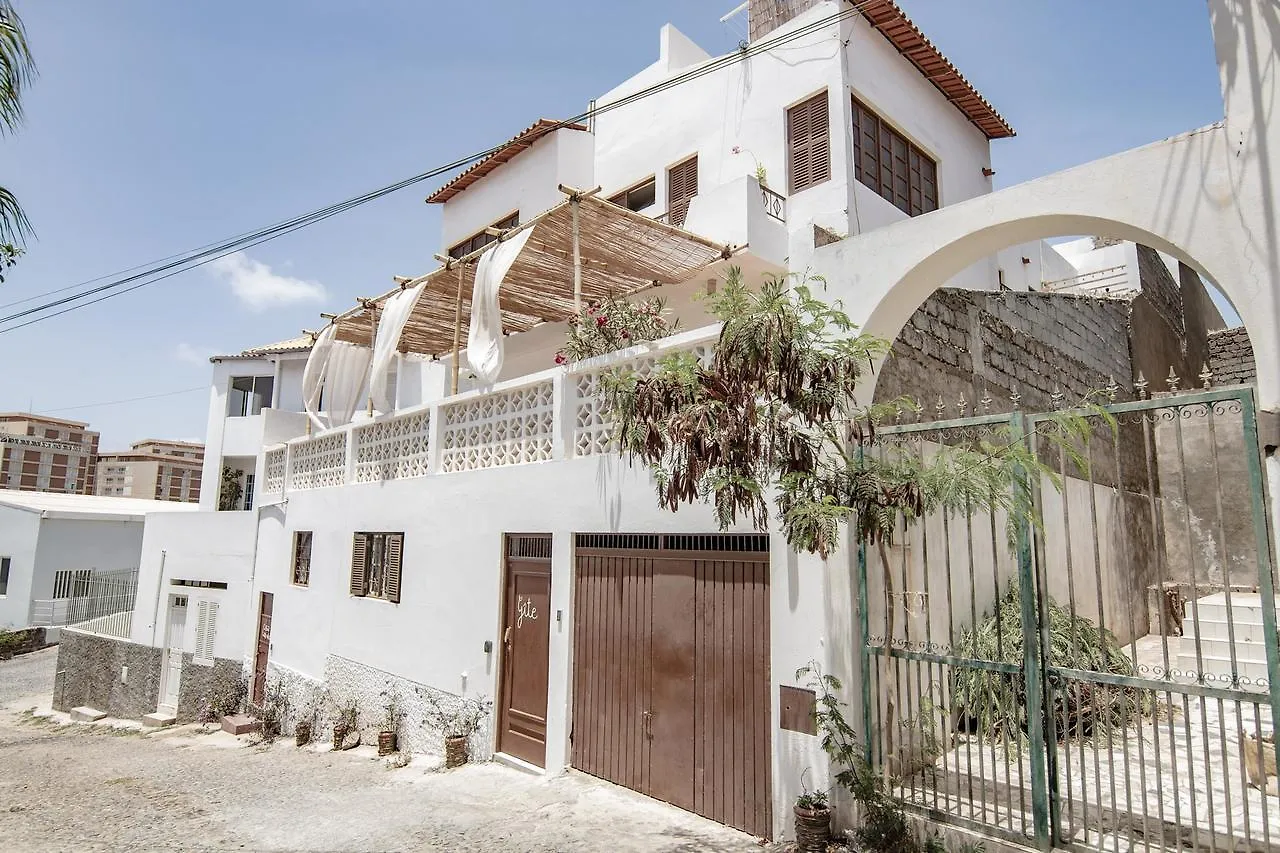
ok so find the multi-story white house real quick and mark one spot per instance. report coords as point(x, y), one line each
point(453, 534)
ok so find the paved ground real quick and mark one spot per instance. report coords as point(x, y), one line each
point(88, 788)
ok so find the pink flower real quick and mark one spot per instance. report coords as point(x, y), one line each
point(737, 149)
point(601, 320)
point(626, 334)
point(560, 358)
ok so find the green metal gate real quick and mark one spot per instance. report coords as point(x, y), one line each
point(1102, 675)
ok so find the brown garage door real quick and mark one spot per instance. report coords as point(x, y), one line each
point(671, 670)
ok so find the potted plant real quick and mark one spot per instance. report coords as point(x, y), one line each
point(390, 723)
point(813, 821)
point(305, 727)
point(346, 722)
point(457, 719)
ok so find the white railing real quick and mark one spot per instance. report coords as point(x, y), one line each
point(1110, 281)
point(553, 415)
point(103, 605)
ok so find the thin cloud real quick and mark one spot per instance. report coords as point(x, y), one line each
point(193, 354)
point(258, 288)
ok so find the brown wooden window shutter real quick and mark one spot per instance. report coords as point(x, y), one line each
point(395, 547)
point(682, 186)
point(359, 555)
point(887, 162)
point(808, 143)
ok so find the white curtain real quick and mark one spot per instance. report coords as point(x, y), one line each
point(341, 370)
point(395, 313)
point(484, 340)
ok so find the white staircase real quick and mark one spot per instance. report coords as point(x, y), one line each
point(1214, 631)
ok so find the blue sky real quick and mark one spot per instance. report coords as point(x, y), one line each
point(156, 127)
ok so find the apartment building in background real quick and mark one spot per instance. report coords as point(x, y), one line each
point(44, 454)
point(152, 469)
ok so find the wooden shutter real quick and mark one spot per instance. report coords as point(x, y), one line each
point(206, 631)
point(395, 547)
point(682, 186)
point(358, 556)
point(808, 143)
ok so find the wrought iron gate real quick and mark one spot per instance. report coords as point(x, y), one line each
point(1141, 708)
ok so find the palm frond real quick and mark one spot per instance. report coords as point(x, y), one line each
point(17, 68)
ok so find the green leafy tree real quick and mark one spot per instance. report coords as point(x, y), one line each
point(231, 488)
point(17, 70)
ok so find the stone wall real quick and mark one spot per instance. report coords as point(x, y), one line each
point(115, 676)
point(1231, 357)
point(21, 642)
point(201, 683)
point(765, 16)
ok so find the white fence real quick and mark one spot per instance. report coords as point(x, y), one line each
point(98, 602)
point(555, 414)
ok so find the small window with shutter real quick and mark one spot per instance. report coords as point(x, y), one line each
point(682, 186)
point(890, 164)
point(206, 632)
point(808, 144)
point(302, 557)
point(375, 565)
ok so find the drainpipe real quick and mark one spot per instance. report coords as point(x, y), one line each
point(155, 614)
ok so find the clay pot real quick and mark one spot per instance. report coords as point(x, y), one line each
point(302, 734)
point(386, 743)
point(455, 750)
point(813, 829)
point(339, 734)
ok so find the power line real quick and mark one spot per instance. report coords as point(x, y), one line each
point(182, 262)
point(129, 400)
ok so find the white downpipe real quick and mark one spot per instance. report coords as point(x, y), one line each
point(155, 614)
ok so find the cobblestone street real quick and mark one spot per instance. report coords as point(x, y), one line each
point(92, 788)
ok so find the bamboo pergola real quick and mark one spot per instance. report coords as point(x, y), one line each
point(620, 252)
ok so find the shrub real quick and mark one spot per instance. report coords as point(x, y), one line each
point(605, 327)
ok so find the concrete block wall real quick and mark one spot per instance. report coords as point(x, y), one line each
point(92, 671)
point(201, 683)
point(1231, 357)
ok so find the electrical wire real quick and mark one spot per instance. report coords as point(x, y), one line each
point(184, 261)
point(129, 400)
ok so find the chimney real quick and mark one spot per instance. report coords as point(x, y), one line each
point(765, 16)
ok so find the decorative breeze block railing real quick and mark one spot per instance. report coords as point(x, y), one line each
point(394, 449)
point(592, 429)
point(503, 428)
point(274, 469)
point(320, 462)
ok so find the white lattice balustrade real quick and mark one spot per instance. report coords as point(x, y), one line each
point(394, 449)
point(503, 428)
point(319, 462)
point(593, 429)
point(273, 475)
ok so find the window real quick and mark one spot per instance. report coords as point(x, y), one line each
point(808, 144)
point(375, 565)
point(206, 631)
point(682, 186)
point(639, 197)
point(248, 491)
point(71, 583)
point(249, 395)
point(482, 239)
point(302, 557)
point(884, 160)
point(4, 575)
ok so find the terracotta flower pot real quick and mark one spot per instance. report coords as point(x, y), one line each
point(339, 734)
point(813, 829)
point(455, 750)
point(302, 734)
point(386, 743)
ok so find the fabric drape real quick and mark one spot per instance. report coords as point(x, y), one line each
point(339, 371)
point(391, 321)
point(484, 339)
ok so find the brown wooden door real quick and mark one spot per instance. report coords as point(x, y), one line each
point(526, 638)
point(264, 649)
point(671, 670)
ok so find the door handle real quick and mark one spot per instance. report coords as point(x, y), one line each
point(647, 720)
point(506, 637)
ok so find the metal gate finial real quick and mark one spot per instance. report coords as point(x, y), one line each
point(1173, 379)
point(1015, 398)
point(1206, 377)
point(1112, 389)
point(1141, 386)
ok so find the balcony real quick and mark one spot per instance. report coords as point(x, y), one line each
point(553, 415)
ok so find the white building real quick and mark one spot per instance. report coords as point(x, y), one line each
point(486, 542)
point(56, 550)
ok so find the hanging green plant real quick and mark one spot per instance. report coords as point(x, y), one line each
point(608, 326)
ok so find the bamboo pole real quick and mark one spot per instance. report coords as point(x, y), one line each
point(457, 328)
point(577, 257)
point(373, 344)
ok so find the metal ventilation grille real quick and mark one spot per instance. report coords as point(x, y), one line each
point(731, 542)
point(537, 547)
point(620, 541)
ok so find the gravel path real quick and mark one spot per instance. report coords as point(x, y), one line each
point(28, 676)
point(92, 788)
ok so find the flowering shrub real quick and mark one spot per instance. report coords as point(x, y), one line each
point(604, 327)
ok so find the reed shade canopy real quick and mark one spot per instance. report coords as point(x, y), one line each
point(622, 252)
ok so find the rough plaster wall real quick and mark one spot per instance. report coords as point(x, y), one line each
point(1159, 287)
point(89, 668)
point(1231, 357)
point(200, 683)
point(346, 680)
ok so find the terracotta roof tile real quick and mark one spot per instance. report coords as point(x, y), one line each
point(522, 141)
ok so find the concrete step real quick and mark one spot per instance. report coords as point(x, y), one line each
point(1245, 607)
point(1245, 631)
point(85, 714)
point(1220, 668)
point(240, 724)
point(1222, 648)
point(159, 720)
